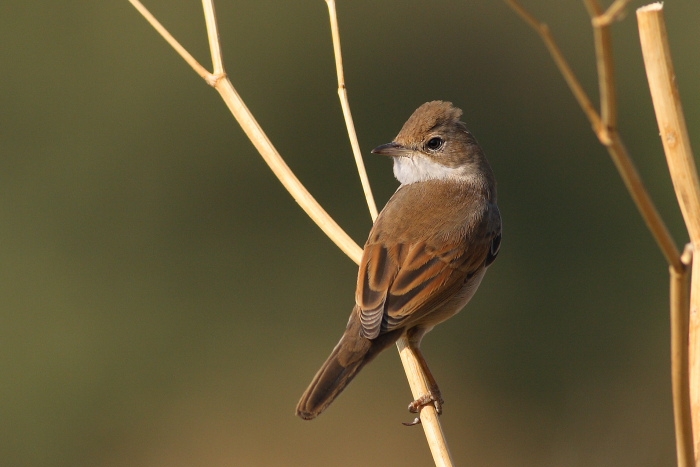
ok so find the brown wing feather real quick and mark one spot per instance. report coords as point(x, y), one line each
point(407, 281)
point(413, 264)
point(417, 291)
point(378, 269)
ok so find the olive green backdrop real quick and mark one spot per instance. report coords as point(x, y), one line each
point(164, 302)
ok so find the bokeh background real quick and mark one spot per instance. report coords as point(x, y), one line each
point(164, 302)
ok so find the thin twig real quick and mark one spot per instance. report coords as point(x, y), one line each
point(606, 71)
point(574, 85)
point(261, 142)
point(217, 58)
point(684, 174)
point(345, 104)
point(611, 139)
point(635, 186)
point(615, 11)
point(199, 69)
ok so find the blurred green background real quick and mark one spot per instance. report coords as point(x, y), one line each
point(164, 302)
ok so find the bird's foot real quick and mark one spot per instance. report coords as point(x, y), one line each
point(433, 398)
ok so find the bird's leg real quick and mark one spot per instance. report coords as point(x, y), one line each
point(433, 396)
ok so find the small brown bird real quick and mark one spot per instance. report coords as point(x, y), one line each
point(426, 253)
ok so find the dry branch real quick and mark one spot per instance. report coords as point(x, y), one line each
point(256, 135)
point(608, 136)
point(683, 172)
point(606, 71)
point(220, 81)
point(681, 164)
point(345, 104)
point(680, 378)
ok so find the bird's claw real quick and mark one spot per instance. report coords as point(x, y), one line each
point(416, 421)
point(431, 398)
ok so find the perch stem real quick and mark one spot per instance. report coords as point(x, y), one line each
point(257, 136)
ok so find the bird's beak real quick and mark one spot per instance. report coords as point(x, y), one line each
point(392, 149)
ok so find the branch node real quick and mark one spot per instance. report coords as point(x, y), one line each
point(687, 256)
point(212, 79)
point(607, 19)
point(604, 134)
point(616, 12)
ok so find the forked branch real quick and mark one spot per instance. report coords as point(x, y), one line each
point(255, 133)
point(607, 133)
point(222, 84)
point(605, 127)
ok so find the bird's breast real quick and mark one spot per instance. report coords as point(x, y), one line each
point(439, 210)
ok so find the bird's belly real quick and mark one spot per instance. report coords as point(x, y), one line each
point(458, 301)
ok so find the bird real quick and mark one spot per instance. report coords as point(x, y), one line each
point(425, 255)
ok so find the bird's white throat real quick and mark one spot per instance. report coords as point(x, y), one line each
point(417, 168)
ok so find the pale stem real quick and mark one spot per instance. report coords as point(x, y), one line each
point(609, 138)
point(285, 175)
point(606, 70)
point(345, 105)
point(681, 163)
point(199, 69)
point(428, 414)
point(217, 58)
point(680, 379)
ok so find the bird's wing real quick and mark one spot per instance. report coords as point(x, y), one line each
point(405, 281)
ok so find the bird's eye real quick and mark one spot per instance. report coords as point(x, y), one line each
point(435, 143)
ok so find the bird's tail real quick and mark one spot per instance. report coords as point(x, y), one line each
point(347, 358)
